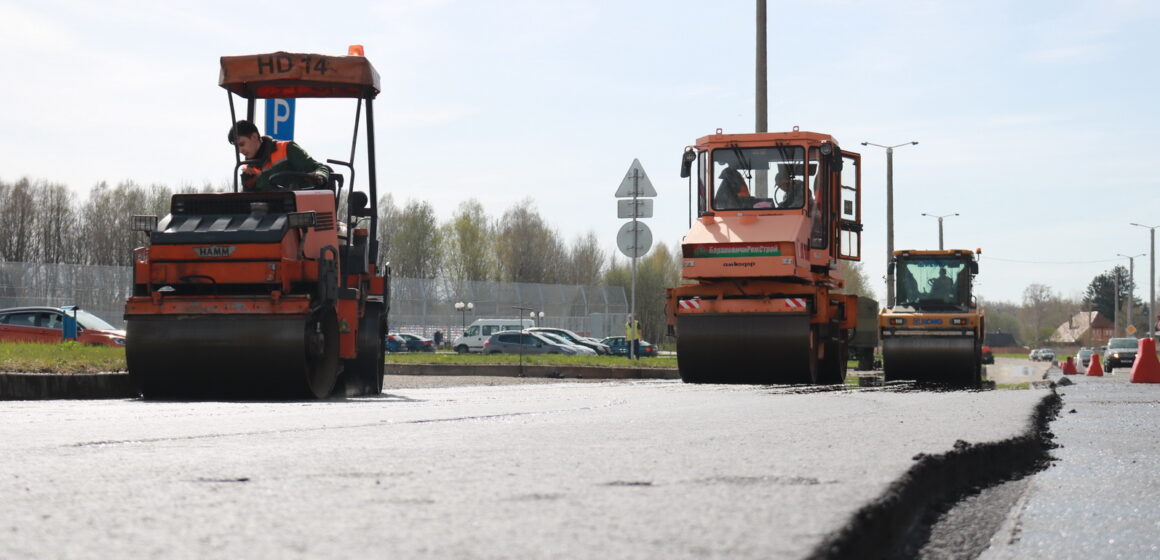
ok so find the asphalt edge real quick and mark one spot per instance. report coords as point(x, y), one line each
point(116, 385)
point(892, 524)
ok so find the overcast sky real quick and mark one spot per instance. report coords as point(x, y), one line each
point(1035, 119)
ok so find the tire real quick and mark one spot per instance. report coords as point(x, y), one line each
point(462, 349)
point(832, 367)
point(363, 375)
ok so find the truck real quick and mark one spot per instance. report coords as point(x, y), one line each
point(934, 330)
point(759, 299)
point(276, 294)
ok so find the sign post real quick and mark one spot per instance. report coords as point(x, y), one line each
point(634, 238)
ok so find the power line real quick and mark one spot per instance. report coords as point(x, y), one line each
point(1048, 262)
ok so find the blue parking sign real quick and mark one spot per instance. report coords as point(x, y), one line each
point(280, 118)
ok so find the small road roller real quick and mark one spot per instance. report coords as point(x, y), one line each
point(276, 294)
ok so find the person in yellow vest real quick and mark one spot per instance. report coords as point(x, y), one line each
point(274, 156)
point(632, 337)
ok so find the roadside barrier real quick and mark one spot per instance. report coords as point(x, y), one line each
point(1069, 367)
point(1146, 368)
point(1095, 368)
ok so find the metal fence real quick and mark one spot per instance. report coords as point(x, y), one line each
point(424, 306)
point(417, 305)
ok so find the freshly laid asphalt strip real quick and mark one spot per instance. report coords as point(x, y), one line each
point(116, 385)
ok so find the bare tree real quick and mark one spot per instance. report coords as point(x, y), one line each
point(527, 250)
point(586, 261)
point(54, 225)
point(388, 225)
point(17, 209)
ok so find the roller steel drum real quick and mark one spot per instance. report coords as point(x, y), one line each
point(746, 348)
point(943, 359)
point(200, 356)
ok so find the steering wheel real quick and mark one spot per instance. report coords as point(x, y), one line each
point(291, 180)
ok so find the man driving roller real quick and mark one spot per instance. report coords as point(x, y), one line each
point(273, 157)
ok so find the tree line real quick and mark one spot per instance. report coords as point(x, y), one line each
point(43, 222)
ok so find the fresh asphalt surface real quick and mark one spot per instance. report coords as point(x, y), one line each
point(625, 469)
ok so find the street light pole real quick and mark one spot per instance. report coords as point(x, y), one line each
point(890, 215)
point(1151, 282)
point(940, 227)
point(1132, 281)
point(464, 308)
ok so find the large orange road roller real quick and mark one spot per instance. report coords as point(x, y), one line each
point(275, 294)
point(758, 300)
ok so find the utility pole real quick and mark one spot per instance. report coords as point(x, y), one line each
point(890, 216)
point(1151, 282)
point(762, 124)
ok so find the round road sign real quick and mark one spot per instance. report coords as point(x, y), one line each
point(634, 239)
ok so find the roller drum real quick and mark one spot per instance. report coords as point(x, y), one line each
point(200, 356)
point(746, 348)
point(943, 359)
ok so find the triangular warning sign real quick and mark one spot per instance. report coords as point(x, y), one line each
point(635, 183)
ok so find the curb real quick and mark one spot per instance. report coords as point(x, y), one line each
point(42, 386)
point(550, 372)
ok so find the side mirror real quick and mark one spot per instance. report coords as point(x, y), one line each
point(974, 267)
point(890, 267)
point(358, 201)
point(687, 160)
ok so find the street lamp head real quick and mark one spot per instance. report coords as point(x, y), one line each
point(470, 306)
point(458, 305)
point(865, 143)
point(914, 142)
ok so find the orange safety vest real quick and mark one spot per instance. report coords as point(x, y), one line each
point(278, 155)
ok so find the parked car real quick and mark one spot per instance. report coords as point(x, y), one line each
point(1121, 353)
point(988, 357)
point(582, 350)
point(1033, 355)
point(480, 331)
point(1047, 355)
point(1083, 358)
point(574, 338)
point(620, 347)
point(48, 325)
point(407, 342)
point(523, 342)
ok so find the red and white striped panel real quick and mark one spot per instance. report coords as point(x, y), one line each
point(795, 303)
point(694, 303)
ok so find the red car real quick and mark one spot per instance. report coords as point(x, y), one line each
point(51, 324)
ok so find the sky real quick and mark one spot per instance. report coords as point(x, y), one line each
point(1033, 117)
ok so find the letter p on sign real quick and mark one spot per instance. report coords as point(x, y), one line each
point(280, 118)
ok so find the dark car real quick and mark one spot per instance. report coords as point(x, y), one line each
point(574, 338)
point(517, 342)
point(49, 325)
point(406, 342)
point(1121, 353)
point(620, 347)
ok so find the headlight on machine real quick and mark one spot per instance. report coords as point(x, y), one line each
point(958, 321)
point(897, 321)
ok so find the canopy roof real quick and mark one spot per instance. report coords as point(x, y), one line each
point(284, 75)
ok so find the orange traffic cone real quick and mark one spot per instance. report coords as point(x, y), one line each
point(1146, 369)
point(1095, 368)
point(1069, 367)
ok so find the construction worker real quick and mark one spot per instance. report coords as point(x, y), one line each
point(274, 156)
point(791, 193)
point(632, 337)
point(733, 194)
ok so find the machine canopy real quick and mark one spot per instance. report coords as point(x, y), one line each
point(283, 75)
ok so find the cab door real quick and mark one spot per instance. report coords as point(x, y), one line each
point(850, 211)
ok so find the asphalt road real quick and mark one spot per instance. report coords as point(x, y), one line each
point(1101, 496)
point(639, 469)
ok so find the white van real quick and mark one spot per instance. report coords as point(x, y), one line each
point(481, 329)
